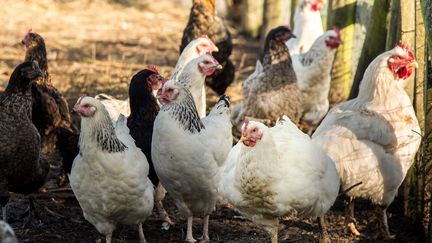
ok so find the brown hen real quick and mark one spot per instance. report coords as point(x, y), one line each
point(203, 21)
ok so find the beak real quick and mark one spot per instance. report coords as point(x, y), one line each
point(218, 66)
point(242, 138)
point(215, 49)
point(413, 64)
point(293, 36)
point(340, 42)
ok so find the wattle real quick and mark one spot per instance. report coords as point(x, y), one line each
point(404, 72)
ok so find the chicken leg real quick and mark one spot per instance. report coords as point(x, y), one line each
point(323, 230)
point(108, 238)
point(271, 225)
point(381, 212)
point(159, 196)
point(3, 208)
point(32, 213)
point(189, 236)
point(141, 234)
point(205, 237)
point(349, 216)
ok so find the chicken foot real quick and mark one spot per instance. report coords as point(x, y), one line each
point(381, 212)
point(349, 217)
point(141, 233)
point(189, 236)
point(323, 230)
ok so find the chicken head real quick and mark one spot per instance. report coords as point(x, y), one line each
point(333, 40)
point(251, 133)
point(208, 65)
point(168, 93)
point(402, 62)
point(85, 106)
point(155, 80)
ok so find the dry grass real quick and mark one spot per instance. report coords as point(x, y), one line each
point(95, 46)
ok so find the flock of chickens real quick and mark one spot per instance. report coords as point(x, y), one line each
point(129, 153)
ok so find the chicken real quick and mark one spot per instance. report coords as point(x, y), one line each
point(144, 108)
point(109, 175)
point(194, 49)
point(140, 122)
point(50, 109)
point(276, 172)
point(307, 26)
point(193, 78)
point(22, 167)
point(272, 90)
point(204, 21)
point(313, 70)
point(188, 152)
point(373, 138)
point(7, 235)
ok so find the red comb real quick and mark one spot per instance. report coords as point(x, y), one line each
point(153, 69)
point(205, 36)
point(405, 47)
point(29, 30)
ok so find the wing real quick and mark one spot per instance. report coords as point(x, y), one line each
point(360, 125)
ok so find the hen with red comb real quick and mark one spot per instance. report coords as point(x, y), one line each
point(373, 138)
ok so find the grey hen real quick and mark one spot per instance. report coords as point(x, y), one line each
point(271, 91)
point(22, 169)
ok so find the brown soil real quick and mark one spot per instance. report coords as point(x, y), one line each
point(96, 46)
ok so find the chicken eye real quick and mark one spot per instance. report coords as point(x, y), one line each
point(254, 130)
point(206, 62)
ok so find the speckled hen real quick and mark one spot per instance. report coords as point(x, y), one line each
point(272, 90)
point(22, 168)
point(189, 153)
point(50, 109)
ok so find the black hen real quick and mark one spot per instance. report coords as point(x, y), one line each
point(144, 109)
point(22, 169)
point(50, 109)
point(204, 21)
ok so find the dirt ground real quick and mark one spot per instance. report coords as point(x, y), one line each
point(95, 46)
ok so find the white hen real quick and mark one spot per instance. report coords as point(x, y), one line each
point(374, 137)
point(109, 175)
point(193, 78)
point(313, 71)
point(278, 171)
point(188, 152)
point(307, 26)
